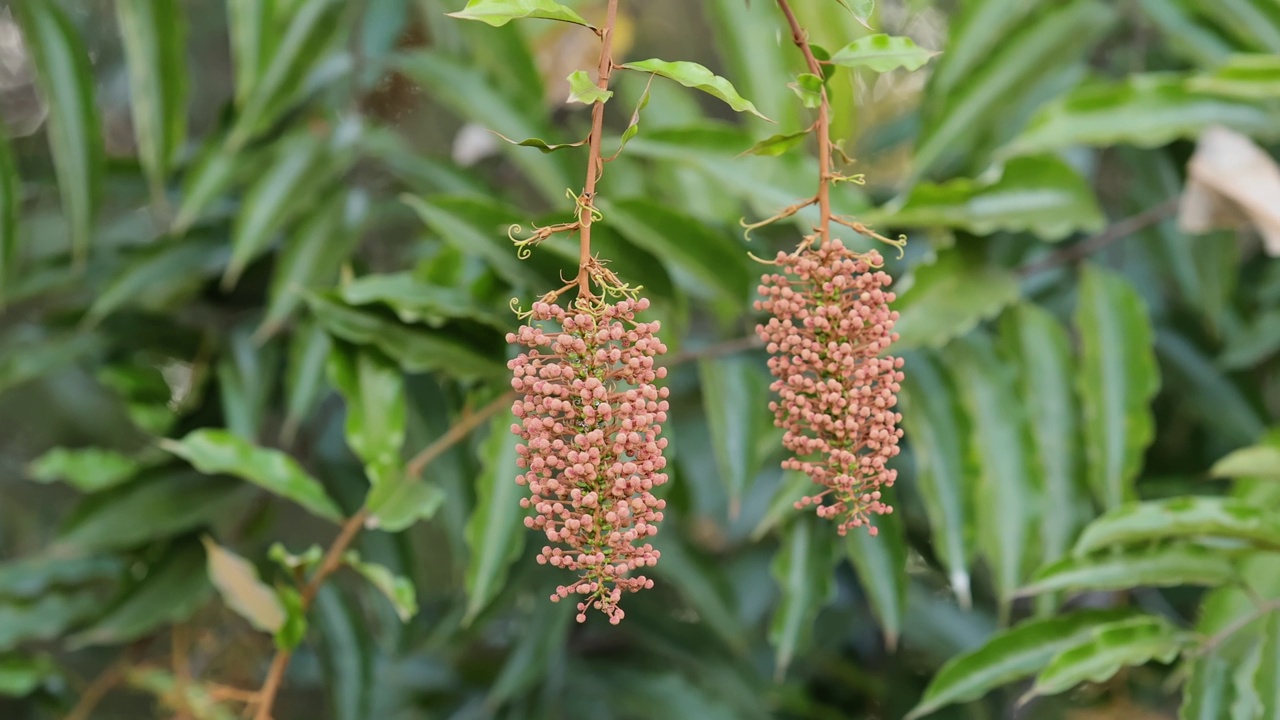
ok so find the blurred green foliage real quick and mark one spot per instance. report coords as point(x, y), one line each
point(254, 260)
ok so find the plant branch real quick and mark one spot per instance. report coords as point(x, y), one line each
point(456, 433)
point(594, 165)
point(801, 39)
point(1116, 232)
point(98, 689)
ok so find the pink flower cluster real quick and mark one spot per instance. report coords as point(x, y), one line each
point(589, 418)
point(830, 321)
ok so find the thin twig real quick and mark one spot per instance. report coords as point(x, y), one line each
point(98, 689)
point(801, 39)
point(180, 647)
point(1116, 232)
point(457, 432)
point(594, 165)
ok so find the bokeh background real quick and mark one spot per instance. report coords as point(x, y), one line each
point(1074, 338)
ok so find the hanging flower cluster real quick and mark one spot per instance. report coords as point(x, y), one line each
point(589, 420)
point(829, 323)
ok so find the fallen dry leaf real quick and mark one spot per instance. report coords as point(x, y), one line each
point(1232, 183)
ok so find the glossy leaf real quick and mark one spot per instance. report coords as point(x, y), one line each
point(500, 12)
point(882, 53)
point(1165, 566)
point(414, 300)
point(1267, 679)
point(1118, 377)
point(397, 588)
point(541, 144)
point(949, 297)
point(693, 75)
point(740, 31)
point(1181, 517)
point(495, 533)
point(1144, 110)
point(373, 388)
point(802, 568)
point(162, 504)
point(1014, 654)
point(88, 469)
point(1245, 77)
point(10, 214)
point(154, 34)
point(172, 591)
point(938, 431)
point(75, 135)
point(583, 90)
point(733, 392)
point(417, 350)
point(881, 564)
point(215, 451)
point(1253, 461)
point(776, 145)
point(237, 581)
point(1040, 349)
point(807, 87)
point(1121, 644)
point(312, 255)
point(1208, 691)
point(250, 23)
point(1042, 195)
point(1008, 495)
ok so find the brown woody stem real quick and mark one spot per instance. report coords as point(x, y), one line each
point(801, 39)
point(594, 165)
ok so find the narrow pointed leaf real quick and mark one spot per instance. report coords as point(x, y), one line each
point(1207, 694)
point(237, 581)
point(415, 300)
point(10, 214)
point(949, 297)
point(216, 451)
point(172, 591)
point(347, 655)
point(1181, 517)
point(1267, 680)
point(882, 53)
point(75, 133)
point(1246, 679)
point(583, 90)
point(802, 567)
point(1261, 461)
point(397, 588)
point(88, 469)
point(1117, 381)
point(541, 144)
point(733, 391)
point(1014, 654)
point(1008, 494)
point(1122, 644)
point(304, 375)
point(937, 429)
point(693, 75)
point(1246, 77)
point(500, 12)
point(1164, 566)
point(159, 274)
point(793, 486)
point(495, 533)
point(211, 175)
point(373, 388)
point(881, 564)
point(154, 35)
point(250, 25)
point(776, 145)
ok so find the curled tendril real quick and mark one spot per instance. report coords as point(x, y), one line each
point(783, 215)
point(583, 202)
point(859, 179)
point(524, 248)
point(899, 243)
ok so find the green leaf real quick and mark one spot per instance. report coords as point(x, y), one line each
point(541, 144)
point(1267, 680)
point(1208, 391)
point(304, 376)
point(937, 430)
point(803, 569)
point(312, 26)
point(25, 357)
point(159, 275)
point(808, 87)
point(881, 564)
point(347, 655)
point(173, 589)
point(416, 349)
point(500, 12)
point(87, 469)
point(1181, 517)
point(246, 374)
point(695, 578)
point(154, 37)
point(1207, 694)
point(542, 646)
point(1163, 566)
point(206, 180)
point(456, 224)
point(21, 675)
point(776, 145)
point(949, 297)
point(1145, 110)
point(693, 75)
point(733, 392)
point(1248, 702)
point(65, 78)
point(495, 533)
point(312, 255)
point(10, 215)
point(794, 486)
point(373, 388)
point(1244, 77)
point(46, 617)
point(1255, 461)
point(405, 501)
point(304, 562)
point(161, 504)
point(1040, 349)
point(414, 301)
point(215, 451)
point(250, 23)
point(1120, 644)
point(398, 589)
point(1008, 494)
point(583, 90)
point(739, 33)
point(633, 125)
point(37, 574)
point(294, 628)
point(237, 581)
point(1014, 654)
point(706, 262)
point(1042, 195)
point(1000, 54)
point(1117, 381)
point(882, 53)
